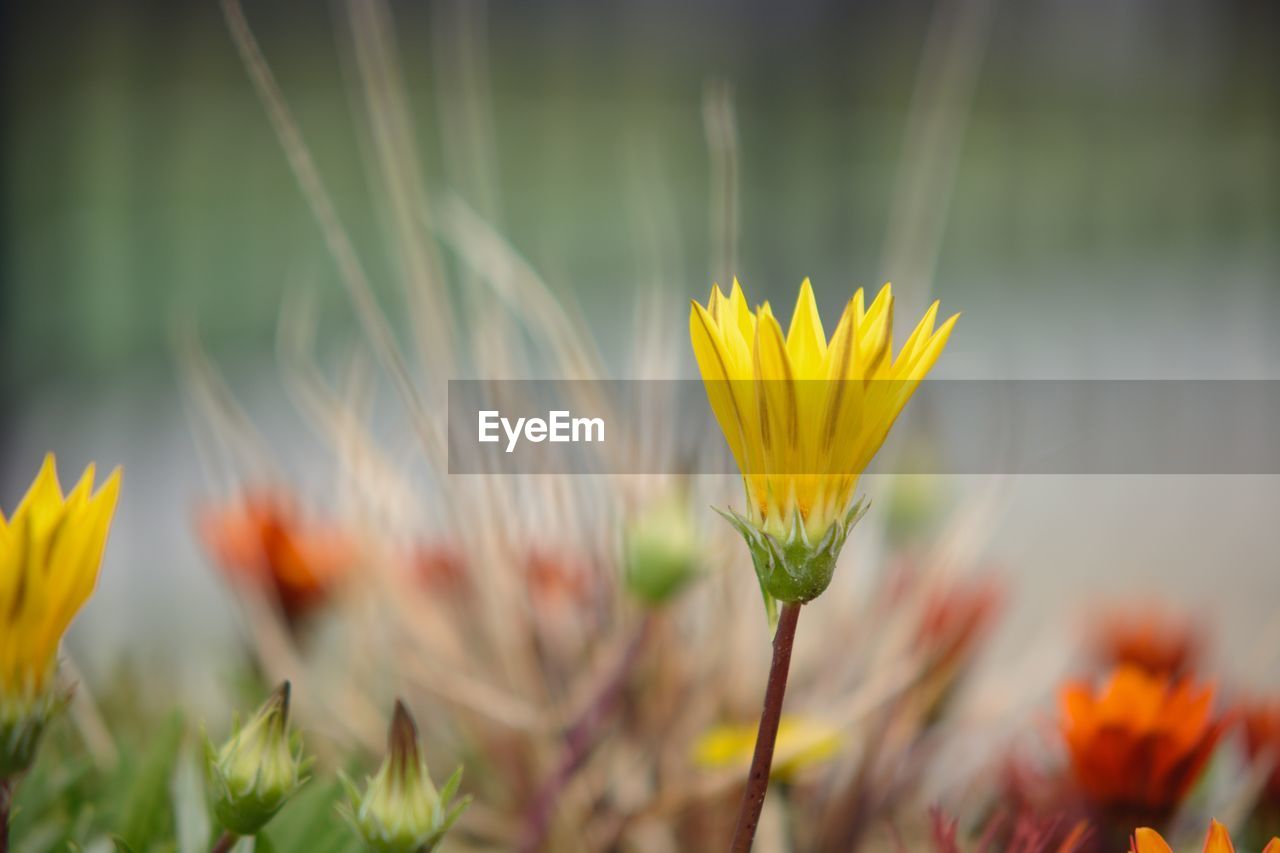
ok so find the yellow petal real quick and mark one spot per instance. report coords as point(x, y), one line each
point(857, 303)
point(776, 397)
point(921, 334)
point(842, 408)
point(1273, 846)
point(1147, 840)
point(806, 341)
point(709, 351)
point(45, 495)
point(928, 354)
point(841, 358)
point(875, 332)
point(740, 312)
point(716, 304)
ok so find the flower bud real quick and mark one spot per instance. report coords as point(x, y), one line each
point(661, 550)
point(400, 810)
point(914, 505)
point(258, 769)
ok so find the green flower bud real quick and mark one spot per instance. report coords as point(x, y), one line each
point(661, 550)
point(915, 501)
point(794, 569)
point(21, 724)
point(400, 810)
point(258, 769)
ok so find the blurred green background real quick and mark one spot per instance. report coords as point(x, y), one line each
point(1110, 148)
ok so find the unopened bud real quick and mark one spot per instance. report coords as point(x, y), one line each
point(258, 769)
point(400, 810)
point(661, 550)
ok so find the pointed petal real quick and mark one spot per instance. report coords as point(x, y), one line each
point(1218, 841)
point(776, 397)
point(875, 332)
point(740, 313)
point(929, 352)
point(922, 332)
point(45, 494)
point(806, 341)
point(716, 304)
point(713, 362)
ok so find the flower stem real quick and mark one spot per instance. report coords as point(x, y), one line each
point(761, 762)
point(225, 842)
point(6, 803)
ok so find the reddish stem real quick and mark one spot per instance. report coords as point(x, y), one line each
point(6, 804)
point(579, 740)
point(225, 842)
point(762, 761)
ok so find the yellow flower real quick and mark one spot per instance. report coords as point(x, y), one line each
point(50, 551)
point(803, 416)
point(802, 742)
point(1217, 840)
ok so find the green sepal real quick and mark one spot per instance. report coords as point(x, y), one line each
point(21, 725)
point(795, 569)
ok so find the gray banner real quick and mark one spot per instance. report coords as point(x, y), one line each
point(948, 427)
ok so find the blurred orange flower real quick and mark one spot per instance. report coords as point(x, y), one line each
point(263, 539)
point(1262, 740)
point(1217, 840)
point(1154, 640)
point(1137, 745)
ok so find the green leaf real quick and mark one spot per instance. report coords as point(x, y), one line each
point(146, 813)
point(451, 787)
point(190, 805)
point(310, 821)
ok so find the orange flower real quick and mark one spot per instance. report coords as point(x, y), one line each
point(1154, 640)
point(1137, 746)
point(262, 539)
point(1262, 740)
point(1217, 840)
